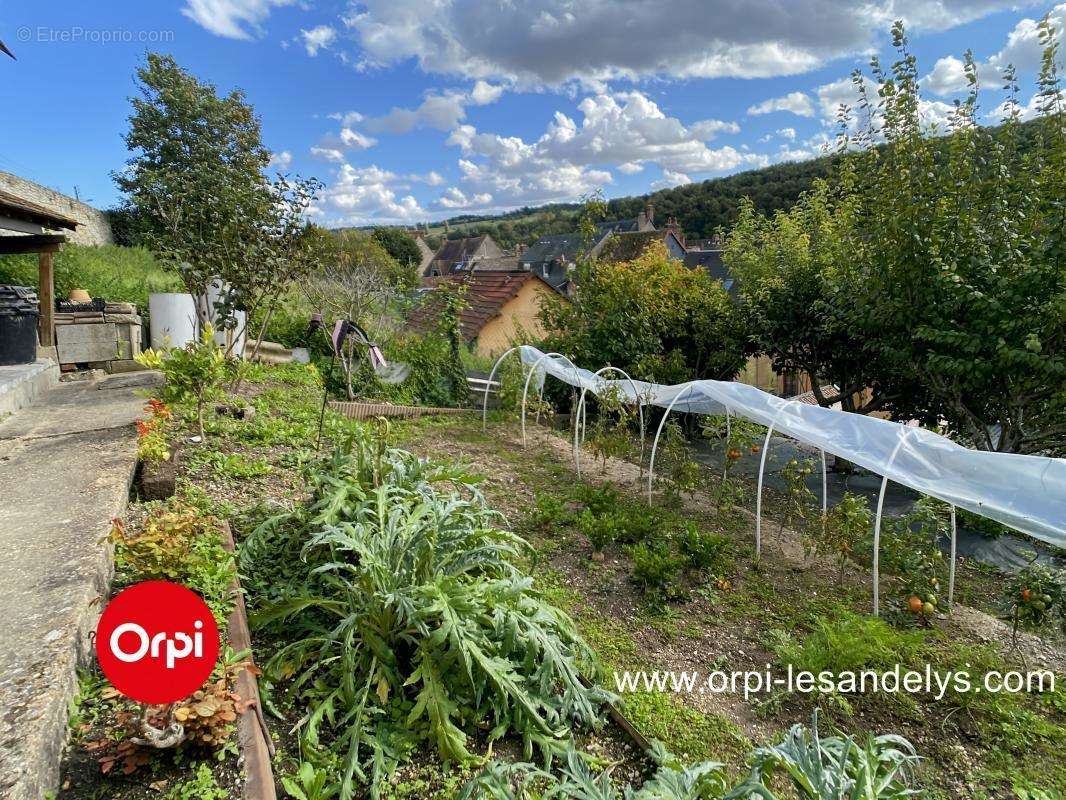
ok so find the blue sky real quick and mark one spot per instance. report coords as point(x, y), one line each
point(415, 110)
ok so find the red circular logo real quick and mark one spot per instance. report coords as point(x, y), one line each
point(157, 642)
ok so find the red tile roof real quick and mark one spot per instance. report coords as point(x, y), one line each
point(486, 295)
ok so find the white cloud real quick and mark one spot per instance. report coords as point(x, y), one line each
point(948, 77)
point(552, 42)
point(318, 38)
point(454, 198)
point(708, 129)
point(328, 154)
point(280, 161)
point(353, 139)
point(671, 179)
point(233, 19)
point(347, 118)
point(365, 195)
point(440, 111)
point(794, 102)
point(787, 133)
point(1023, 48)
point(484, 93)
point(625, 131)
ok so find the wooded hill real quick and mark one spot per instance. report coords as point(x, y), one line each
point(700, 208)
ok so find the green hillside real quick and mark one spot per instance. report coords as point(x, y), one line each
point(700, 208)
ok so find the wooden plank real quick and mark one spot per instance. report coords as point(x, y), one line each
point(46, 295)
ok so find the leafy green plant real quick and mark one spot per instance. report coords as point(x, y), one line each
point(656, 567)
point(177, 543)
point(799, 501)
point(201, 786)
point(703, 550)
point(1034, 597)
point(678, 472)
point(236, 466)
point(310, 783)
point(407, 619)
point(833, 767)
point(910, 549)
point(846, 524)
point(602, 529)
point(576, 781)
point(151, 433)
point(194, 373)
point(843, 641)
point(609, 435)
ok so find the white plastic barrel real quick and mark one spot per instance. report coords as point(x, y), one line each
point(172, 319)
point(232, 339)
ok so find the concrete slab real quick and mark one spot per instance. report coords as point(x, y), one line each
point(65, 468)
point(21, 384)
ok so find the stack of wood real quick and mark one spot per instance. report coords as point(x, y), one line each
point(107, 339)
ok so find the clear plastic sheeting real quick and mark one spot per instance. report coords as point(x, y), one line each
point(1027, 493)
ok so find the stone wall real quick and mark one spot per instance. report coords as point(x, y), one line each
point(93, 227)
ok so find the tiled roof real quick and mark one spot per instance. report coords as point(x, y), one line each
point(486, 295)
point(710, 261)
point(566, 246)
point(627, 245)
point(454, 250)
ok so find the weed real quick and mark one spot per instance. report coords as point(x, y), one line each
point(703, 550)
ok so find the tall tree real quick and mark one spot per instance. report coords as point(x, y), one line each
point(961, 244)
point(652, 317)
point(399, 244)
point(196, 175)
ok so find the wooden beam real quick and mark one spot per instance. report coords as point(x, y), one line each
point(34, 243)
point(46, 293)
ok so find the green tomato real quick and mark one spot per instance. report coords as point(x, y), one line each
point(928, 609)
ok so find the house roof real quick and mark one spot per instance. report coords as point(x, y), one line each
point(564, 246)
point(498, 264)
point(618, 225)
point(710, 261)
point(487, 293)
point(627, 245)
point(26, 211)
point(455, 250)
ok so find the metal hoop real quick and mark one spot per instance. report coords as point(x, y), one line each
point(581, 411)
point(658, 433)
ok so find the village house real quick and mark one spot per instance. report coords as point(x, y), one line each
point(460, 255)
point(426, 252)
point(499, 309)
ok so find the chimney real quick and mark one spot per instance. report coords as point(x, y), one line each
point(649, 213)
point(675, 229)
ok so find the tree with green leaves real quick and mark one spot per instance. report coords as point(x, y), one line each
point(196, 188)
point(961, 243)
point(652, 317)
point(196, 178)
point(399, 244)
point(929, 268)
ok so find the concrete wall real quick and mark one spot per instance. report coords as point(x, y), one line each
point(93, 227)
point(519, 316)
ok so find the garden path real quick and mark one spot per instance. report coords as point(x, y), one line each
point(66, 463)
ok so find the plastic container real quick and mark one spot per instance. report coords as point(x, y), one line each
point(18, 325)
point(172, 319)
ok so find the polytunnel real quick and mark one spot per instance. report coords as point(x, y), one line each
point(1024, 492)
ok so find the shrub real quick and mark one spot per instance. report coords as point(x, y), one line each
point(702, 549)
point(118, 274)
point(177, 543)
point(194, 373)
point(601, 530)
point(656, 567)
